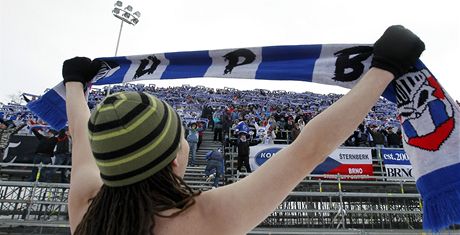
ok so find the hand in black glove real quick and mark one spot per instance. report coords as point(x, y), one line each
point(80, 69)
point(397, 50)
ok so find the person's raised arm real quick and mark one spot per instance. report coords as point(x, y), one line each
point(85, 179)
point(254, 142)
point(256, 196)
point(37, 133)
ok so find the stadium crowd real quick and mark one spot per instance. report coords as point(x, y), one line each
point(272, 115)
point(275, 117)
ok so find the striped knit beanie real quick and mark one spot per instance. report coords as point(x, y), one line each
point(133, 135)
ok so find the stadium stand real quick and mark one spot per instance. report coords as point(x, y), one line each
point(376, 203)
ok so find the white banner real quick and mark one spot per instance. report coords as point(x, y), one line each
point(343, 161)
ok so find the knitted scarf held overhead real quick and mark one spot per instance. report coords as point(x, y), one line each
point(429, 117)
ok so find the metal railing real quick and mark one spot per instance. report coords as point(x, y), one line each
point(318, 202)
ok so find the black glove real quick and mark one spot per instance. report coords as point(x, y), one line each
point(397, 50)
point(80, 69)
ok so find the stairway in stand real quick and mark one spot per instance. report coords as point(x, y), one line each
point(194, 175)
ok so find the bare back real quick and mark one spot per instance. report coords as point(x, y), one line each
point(239, 207)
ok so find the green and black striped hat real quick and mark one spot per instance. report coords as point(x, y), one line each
point(133, 135)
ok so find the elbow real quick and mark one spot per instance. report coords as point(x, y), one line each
point(310, 147)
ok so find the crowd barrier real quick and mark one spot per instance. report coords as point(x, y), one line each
point(355, 187)
point(317, 202)
point(320, 201)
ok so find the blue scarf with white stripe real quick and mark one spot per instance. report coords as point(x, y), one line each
point(429, 117)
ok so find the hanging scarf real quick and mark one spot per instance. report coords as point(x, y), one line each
point(429, 117)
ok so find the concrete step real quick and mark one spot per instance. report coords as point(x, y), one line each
point(194, 175)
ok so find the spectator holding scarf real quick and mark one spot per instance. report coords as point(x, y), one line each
point(243, 144)
point(47, 140)
point(140, 189)
point(393, 139)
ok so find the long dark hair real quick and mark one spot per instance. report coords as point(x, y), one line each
point(131, 209)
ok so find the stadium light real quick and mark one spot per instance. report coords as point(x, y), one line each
point(126, 16)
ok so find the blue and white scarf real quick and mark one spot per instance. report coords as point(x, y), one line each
point(429, 117)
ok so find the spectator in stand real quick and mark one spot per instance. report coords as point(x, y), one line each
point(235, 114)
point(272, 120)
point(226, 121)
point(362, 136)
point(281, 123)
point(217, 129)
point(299, 116)
point(301, 123)
point(243, 145)
point(289, 127)
point(377, 138)
point(62, 154)
point(207, 112)
point(270, 136)
point(264, 121)
point(295, 131)
point(393, 139)
point(47, 140)
point(253, 126)
point(278, 135)
point(201, 127)
point(215, 166)
point(192, 139)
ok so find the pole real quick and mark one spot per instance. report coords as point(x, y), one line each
point(116, 50)
point(119, 36)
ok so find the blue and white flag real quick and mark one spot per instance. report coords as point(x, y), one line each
point(429, 117)
point(242, 127)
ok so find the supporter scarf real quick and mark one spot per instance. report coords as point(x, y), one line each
point(242, 127)
point(429, 117)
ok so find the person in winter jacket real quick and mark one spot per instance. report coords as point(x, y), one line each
point(192, 139)
point(214, 167)
point(243, 145)
point(217, 127)
point(394, 139)
point(62, 154)
point(47, 141)
point(377, 139)
point(202, 126)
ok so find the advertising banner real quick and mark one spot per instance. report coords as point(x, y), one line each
point(21, 149)
point(396, 163)
point(347, 161)
point(343, 161)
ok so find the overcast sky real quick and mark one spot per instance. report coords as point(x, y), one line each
point(37, 36)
